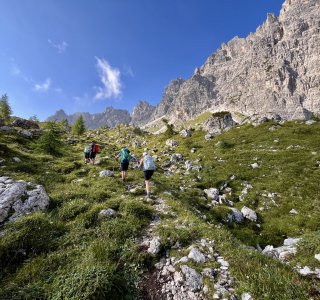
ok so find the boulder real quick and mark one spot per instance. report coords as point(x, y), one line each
point(235, 216)
point(18, 198)
point(155, 245)
point(106, 173)
point(26, 124)
point(250, 214)
point(212, 194)
point(25, 133)
point(107, 213)
point(196, 255)
point(193, 278)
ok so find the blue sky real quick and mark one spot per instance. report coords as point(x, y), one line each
point(82, 55)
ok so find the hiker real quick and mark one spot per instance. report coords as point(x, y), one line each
point(148, 169)
point(94, 150)
point(86, 154)
point(124, 156)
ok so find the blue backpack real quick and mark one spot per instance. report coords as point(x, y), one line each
point(125, 155)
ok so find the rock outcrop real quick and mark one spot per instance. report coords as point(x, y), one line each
point(18, 198)
point(141, 113)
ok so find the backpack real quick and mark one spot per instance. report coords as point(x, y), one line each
point(86, 149)
point(125, 155)
point(96, 149)
point(148, 163)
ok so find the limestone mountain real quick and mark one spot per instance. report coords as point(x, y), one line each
point(109, 118)
point(141, 113)
point(272, 71)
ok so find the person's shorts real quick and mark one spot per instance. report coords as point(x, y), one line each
point(86, 155)
point(92, 155)
point(124, 166)
point(148, 174)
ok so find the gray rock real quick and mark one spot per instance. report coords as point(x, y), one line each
point(291, 241)
point(235, 216)
point(208, 137)
point(26, 124)
point(25, 133)
point(155, 245)
point(7, 129)
point(188, 165)
point(305, 271)
point(108, 213)
point(196, 255)
point(106, 173)
point(212, 193)
point(18, 198)
point(185, 133)
point(310, 122)
point(317, 257)
point(248, 213)
point(254, 166)
point(293, 212)
point(246, 296)
point(193, 278)
point(218, 122)
point(176, 158)
point(171, 143)
point(16, 159)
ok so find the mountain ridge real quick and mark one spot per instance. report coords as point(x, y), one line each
point(271, 71)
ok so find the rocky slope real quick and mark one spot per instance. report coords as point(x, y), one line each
point(111, 117)
point(272, 71)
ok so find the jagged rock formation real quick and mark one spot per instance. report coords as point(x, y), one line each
point(141, 113)
point(111, 117)
point(272, 71)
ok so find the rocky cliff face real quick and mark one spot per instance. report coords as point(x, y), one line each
point(273, 71)
point(141, 113)
point(111, 117)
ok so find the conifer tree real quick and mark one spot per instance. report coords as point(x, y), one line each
point(78, 127)
point(5, 109)
point(50, 141)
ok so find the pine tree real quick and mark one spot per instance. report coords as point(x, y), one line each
point(50, 141)
point(5, 109)
point(78, 127)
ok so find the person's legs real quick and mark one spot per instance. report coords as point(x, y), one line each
point(148, 187)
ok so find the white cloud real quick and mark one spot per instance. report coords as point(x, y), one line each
point(43, 87)
point(110, 78)
point(60, 47)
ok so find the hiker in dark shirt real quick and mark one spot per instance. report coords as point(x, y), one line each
point(124, 157)
point(94, 150)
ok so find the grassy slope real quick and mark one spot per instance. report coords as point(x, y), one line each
point(69, 253)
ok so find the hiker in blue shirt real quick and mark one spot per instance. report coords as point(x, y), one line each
point(148, 169)
point(86, 154)
point(124, 156)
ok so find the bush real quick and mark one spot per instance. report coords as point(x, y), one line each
point(50, 141)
